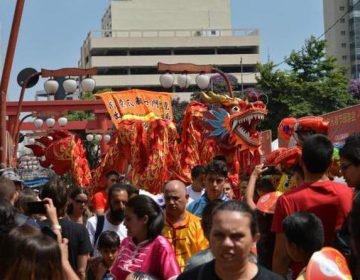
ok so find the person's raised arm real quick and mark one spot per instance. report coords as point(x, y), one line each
point(250, 189)
point(53, 218)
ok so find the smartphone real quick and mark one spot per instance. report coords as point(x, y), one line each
point(36, 207)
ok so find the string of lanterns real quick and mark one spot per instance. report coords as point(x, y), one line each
point(184, 80)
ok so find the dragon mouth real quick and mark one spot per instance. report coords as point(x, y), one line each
point(245, 127)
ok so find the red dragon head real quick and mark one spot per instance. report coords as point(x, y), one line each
point(302, 128)
point(234, 120)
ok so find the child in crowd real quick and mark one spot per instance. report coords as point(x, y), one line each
point(258, 186)
point(304, 234)
point(108, 244)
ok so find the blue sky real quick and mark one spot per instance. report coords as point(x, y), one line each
point(52, 31)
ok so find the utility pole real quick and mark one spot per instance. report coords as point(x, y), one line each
point(10, 52)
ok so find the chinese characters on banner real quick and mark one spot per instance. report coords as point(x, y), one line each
point(137, 104)
point(343, 122)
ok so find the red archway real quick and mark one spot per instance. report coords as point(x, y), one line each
point(101, 124)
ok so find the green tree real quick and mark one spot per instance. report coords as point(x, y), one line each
point(83, 115)
point(313, 85)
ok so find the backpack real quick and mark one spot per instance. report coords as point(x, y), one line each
point(99, 227)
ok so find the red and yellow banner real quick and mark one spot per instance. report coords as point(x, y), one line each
point(137, 104)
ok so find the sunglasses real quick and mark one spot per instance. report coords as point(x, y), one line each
point(80, 201)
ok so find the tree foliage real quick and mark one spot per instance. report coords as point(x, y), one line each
point(218, 84)
point(85, 115)
point(354, 88)
point(313, 85)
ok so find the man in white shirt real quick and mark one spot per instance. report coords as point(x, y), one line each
point(196, 190)
point(113, 220)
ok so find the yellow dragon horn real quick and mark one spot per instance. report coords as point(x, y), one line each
point(213, 97)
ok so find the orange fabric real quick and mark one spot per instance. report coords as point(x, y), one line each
point(111, 107)
point(186, 238)
point(100, 201)
point(136, 104)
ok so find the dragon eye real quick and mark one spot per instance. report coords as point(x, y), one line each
point(235, 109)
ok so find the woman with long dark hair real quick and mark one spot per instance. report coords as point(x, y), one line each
point(77, 210)
point(145, 249)
point(30, 254)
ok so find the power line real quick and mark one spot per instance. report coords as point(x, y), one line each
point(320, 36)
point(327, 30)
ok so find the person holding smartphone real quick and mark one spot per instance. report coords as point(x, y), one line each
point(79, 242)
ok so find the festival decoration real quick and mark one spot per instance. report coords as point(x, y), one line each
point(63, 152)
point(147, 139)
point(293, 132)
point(299, 129)
point(267, 202)
point(328, 263)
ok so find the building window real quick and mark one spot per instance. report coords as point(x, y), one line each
point(343, 32)
point(342, 20)
point(342, 8)
point(344, 57)
point(343, 45)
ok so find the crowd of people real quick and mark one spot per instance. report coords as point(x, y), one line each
point(200, 231)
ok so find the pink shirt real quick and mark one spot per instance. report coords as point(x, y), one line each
point(155, 258)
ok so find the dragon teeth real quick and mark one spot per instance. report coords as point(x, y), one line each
point(234, 124)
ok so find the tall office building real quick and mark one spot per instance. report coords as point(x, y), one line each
point(344, 37)
point(137, 34)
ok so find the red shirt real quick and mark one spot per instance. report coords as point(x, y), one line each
point(100, 200)
point(330, 201)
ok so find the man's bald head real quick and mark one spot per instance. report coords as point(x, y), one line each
point(175, 198)
point(175, 186)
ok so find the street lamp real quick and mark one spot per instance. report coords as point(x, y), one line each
point(50, 122)
point(69, 86)
point(184, 81)
point(50, 87)
point(107, 138)
point(38, 123)
point(167, 80)
point(88, 84)
point(10, 52)
point(89, 137)
point(62, 121)
point(193, 68)
point(202, 81)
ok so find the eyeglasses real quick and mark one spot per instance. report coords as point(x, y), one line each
point(345, 166)
point(81, 201)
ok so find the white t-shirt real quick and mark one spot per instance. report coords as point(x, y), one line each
point(91, 227)
point(193, 195)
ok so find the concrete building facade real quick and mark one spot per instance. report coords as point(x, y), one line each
point(343, 38)
point(137, 34)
